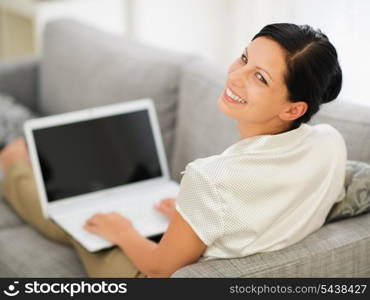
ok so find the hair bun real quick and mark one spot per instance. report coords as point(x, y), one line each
point(334, 87)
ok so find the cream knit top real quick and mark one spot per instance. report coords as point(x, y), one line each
point(265, 192)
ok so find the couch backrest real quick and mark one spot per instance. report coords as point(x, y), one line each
point(202, 130)
point(82, 67)
point(353, 122)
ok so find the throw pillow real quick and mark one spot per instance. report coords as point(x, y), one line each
point(12, 117)
point(357, 197)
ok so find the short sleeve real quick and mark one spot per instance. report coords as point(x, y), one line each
point(199, 204)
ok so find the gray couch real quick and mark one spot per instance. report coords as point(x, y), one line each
point(81, 67)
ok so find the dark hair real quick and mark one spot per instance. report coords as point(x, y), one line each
point(313, 71)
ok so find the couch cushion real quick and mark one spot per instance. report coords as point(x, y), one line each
point(25, 253)
point(202, 129)
point(82, 67)
point(8, 218)
point(12, 117)
point(18, 78)
point(353, 122)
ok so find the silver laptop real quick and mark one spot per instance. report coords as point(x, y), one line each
point(104, 159)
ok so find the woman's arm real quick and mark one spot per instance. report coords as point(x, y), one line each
point(178, 247)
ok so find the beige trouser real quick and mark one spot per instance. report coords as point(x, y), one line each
point(19, 188)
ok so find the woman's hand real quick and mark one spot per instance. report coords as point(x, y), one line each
point(111, 226)
point(167, 207)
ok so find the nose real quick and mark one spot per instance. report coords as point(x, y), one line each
point(238, 78)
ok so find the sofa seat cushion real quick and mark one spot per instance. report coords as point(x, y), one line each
point(8, 218)
point(82, 67)
point(25, 253)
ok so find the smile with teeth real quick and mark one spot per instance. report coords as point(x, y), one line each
point(234, 97)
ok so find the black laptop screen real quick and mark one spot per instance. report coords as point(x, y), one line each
point(88, 156)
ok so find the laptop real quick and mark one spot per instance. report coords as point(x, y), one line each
point(104, 159)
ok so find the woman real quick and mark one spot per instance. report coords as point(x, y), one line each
point(269, 190)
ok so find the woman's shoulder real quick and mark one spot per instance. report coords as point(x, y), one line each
point(204, 163)
point(328, 133)
point(328, 140)
point(320, 137)
point(326, 128)
point(206, 167)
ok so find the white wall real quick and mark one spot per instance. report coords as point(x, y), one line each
point(220, 29)
point(107, 15)
point(189, 26)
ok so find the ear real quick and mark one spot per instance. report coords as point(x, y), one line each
point(293, 111)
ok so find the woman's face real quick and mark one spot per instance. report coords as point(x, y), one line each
point(256, 82)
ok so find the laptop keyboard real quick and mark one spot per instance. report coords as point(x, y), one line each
point(144, 217)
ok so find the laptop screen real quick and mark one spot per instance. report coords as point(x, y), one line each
point(92, 155)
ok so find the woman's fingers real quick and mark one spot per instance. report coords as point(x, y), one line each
point(159, 206)
point(166, 206)
point(168, 202)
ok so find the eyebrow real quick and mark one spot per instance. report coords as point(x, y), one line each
point(246, 51)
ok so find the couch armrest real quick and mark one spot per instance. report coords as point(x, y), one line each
point(338, 249)
point(19, 79)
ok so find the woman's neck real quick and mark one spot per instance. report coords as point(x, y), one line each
point(250, 130)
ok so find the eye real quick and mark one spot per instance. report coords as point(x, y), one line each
point(261, 78)
point(244, 58)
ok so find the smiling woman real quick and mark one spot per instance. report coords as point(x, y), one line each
point(281, 79)
point(246, 200)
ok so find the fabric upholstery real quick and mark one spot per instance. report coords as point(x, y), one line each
point(356, 199)
point(25, 253)
point(8, 218)
point(339, 249)
point(82, 67)
point(12, 116)
point(202, 129)
point(20, 80)
point(353, 122)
